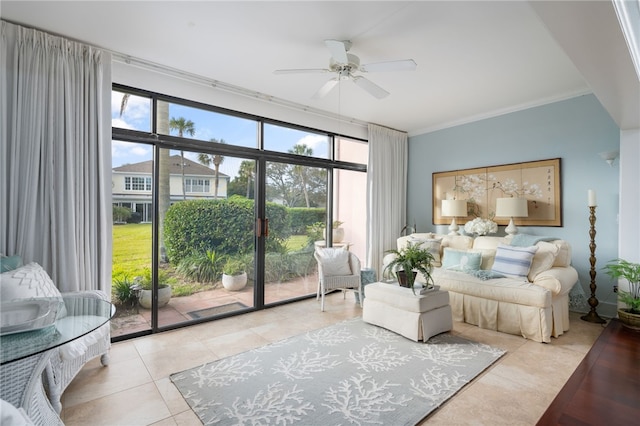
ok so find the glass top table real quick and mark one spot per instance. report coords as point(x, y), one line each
point(84, 315)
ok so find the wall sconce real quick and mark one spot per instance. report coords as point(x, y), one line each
point(609, 156)
point(511, 207)
point(454, 208)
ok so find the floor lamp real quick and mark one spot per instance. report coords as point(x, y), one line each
point(454, 208)
point(511, 207)
point(592, 315)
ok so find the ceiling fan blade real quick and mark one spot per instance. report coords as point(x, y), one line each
point(401, 65)
point(370, 87)
point(326, 88)
point(338, 51)
point(302, 71)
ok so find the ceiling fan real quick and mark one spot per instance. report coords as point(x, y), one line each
point(345, 64)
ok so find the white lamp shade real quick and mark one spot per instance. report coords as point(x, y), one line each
point(511, 207)
point(454, 208)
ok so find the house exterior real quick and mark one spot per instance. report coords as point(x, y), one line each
point(132, 184)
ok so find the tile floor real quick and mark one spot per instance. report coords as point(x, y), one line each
point(135, 388)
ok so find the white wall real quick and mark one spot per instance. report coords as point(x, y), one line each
point(629, 221)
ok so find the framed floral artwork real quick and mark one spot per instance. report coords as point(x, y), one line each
point(536, 181)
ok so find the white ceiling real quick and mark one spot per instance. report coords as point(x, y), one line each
point(475, 59)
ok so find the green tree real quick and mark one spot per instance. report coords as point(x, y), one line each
point(301, 171)
point(242, 183)
point(164, 190)
point(216, 160)
point(182, 126)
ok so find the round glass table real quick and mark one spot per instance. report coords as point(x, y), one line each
point(24, 353)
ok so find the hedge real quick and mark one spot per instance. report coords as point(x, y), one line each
point(224, 225)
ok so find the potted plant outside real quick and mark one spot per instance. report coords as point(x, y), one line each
point(234, 276)
point(337, 234)
point(411, 258)
point(144, 286)
point(620, 268)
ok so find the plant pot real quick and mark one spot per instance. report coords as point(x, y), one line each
point(629, 320)
point(337, 235)
point(234, 282)
point(402, 278)
point(164, 295)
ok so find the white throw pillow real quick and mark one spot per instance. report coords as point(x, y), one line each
point(513, 261)
point(335, 261)
point(543, 259)
point(29, 282)
point(432, 245)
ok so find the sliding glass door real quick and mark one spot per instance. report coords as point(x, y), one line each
point(217, 213)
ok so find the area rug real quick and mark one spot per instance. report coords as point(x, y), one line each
point(350, 373)
point(216, 310)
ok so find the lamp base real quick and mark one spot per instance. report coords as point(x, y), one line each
point(453, 228)
point(592, 316)
point(511, 229)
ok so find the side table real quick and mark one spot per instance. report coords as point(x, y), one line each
point(367, 276)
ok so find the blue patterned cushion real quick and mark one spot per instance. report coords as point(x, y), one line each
point(9, 263)
point(513, 261)
point(461, 260)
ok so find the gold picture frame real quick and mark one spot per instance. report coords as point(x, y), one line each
point(536, 181)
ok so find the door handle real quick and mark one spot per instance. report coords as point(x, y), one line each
point(266, 227)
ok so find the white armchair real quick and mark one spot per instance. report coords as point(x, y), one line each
point(338, 269)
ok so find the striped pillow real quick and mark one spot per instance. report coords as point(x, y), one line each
point(513, 261)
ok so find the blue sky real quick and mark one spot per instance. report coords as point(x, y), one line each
point(208, 125)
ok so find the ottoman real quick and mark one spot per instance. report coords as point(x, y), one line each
point(416, 317)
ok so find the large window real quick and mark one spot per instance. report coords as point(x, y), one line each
point(134, 183)
point(197, 185)
point(200, 193)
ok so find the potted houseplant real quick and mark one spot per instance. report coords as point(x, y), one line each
point(620, 268)
point(337, 233)
point(234, 276)
point(411, 258)
point(144, 286)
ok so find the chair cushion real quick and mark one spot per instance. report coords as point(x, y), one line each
point(513, 261)
point(29, 282)
point(335, 261)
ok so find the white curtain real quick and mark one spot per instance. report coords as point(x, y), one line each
point(386, 192)
point(55, 194)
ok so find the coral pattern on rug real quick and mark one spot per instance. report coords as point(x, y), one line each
point(350, 373)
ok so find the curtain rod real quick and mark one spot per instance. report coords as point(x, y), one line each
point(216, 84)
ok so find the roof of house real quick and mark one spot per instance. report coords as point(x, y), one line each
point(190, 167)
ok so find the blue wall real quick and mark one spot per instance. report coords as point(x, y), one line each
point(575, 130)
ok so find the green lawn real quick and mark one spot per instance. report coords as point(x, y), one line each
point(131, 248)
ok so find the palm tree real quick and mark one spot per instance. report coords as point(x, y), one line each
point(164, 191)
point(182, 125)
point(247, 170)
point(302, 149)
point(216, 159)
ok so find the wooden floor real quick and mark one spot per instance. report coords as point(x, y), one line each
point(605, 388)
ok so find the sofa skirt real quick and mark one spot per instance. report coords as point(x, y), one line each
point(531, 322)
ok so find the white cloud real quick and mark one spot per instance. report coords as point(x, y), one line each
point(313, 141)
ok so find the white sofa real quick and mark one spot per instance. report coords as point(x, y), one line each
point(535, 306)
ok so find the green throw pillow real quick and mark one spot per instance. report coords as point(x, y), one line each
point(9, 263)
point(461, 260)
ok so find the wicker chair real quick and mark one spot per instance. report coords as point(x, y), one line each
point(337, 271)
point(67, 360)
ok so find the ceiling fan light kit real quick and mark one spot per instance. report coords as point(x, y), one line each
point(344, 65)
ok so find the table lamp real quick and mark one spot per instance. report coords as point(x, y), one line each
point(511, 207)
point(454, 208)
